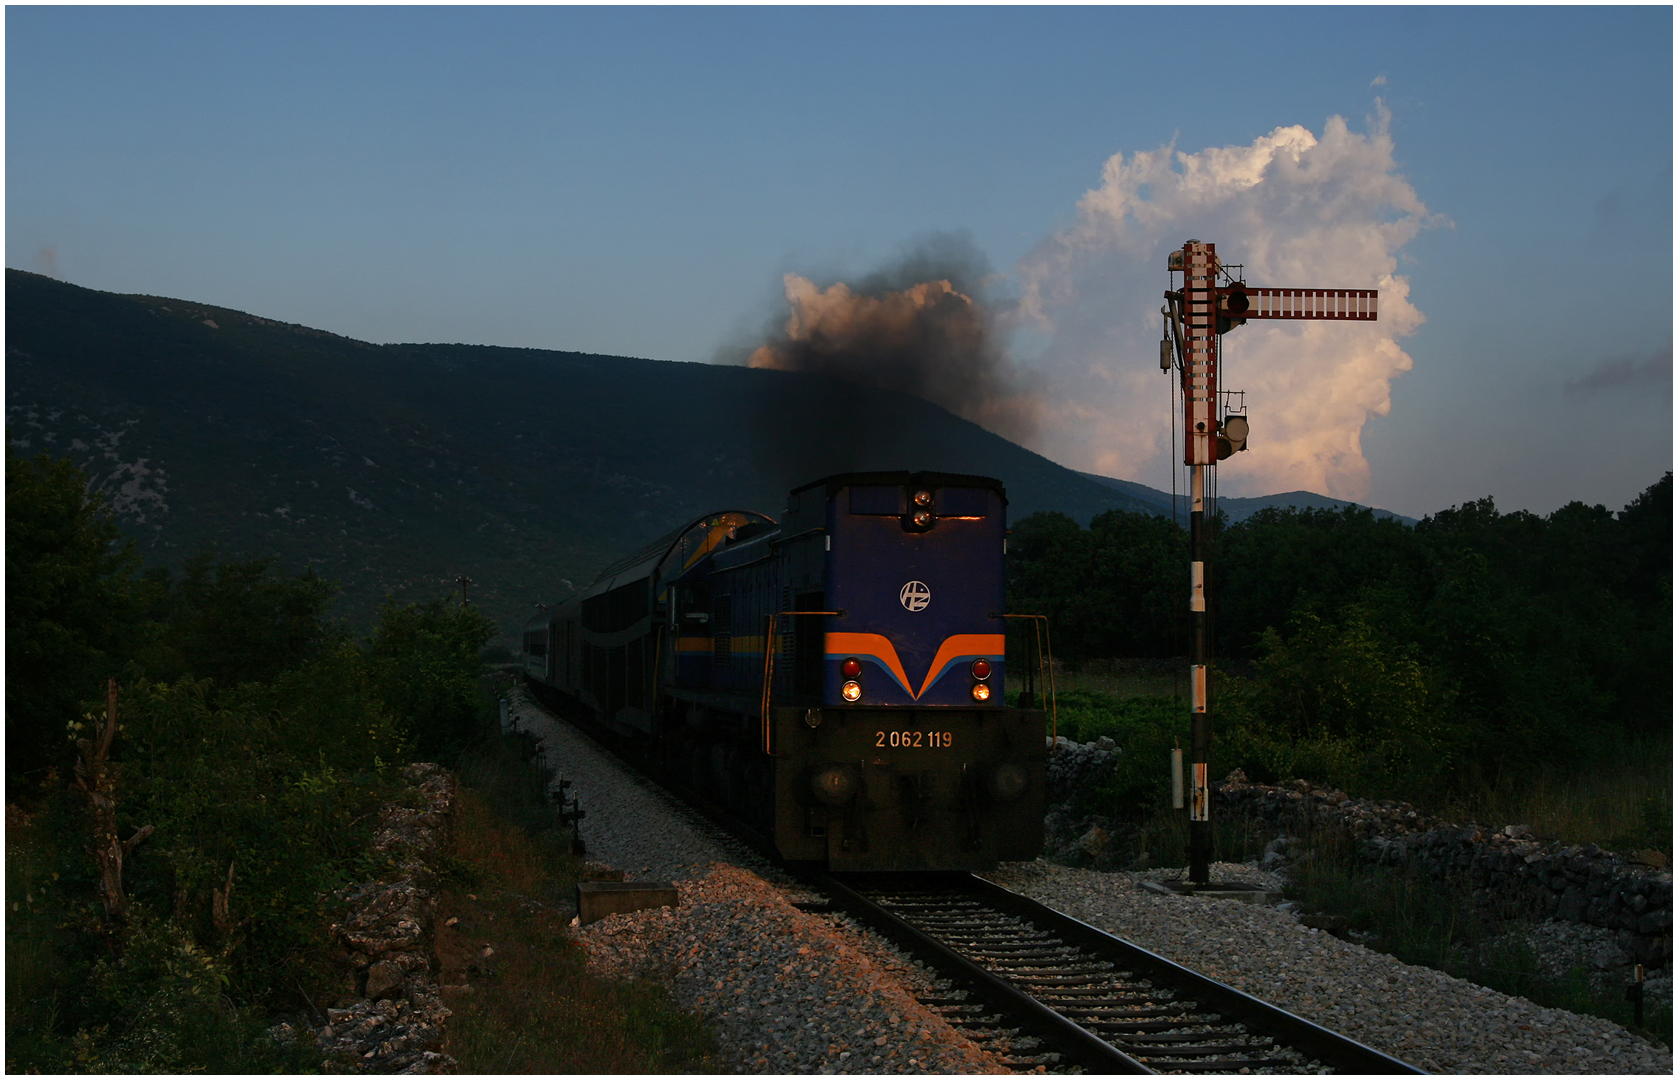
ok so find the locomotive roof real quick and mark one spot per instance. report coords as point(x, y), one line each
point(658, 549)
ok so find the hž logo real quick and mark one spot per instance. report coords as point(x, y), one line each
point(915, 596)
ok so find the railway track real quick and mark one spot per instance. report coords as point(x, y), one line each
point(1046, 991)
point(1042, 990)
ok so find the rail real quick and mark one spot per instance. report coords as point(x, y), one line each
point(1100, 1002)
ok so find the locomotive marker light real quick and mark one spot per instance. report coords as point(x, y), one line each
point(1197, 317)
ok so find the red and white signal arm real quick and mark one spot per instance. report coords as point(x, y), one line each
point(1208, 310)
point(1253, 302)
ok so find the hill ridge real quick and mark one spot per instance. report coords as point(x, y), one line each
point(396, 469)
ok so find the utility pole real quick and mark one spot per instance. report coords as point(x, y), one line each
point(1199, 314)
point(465, 581)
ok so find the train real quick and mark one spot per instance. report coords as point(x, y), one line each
point(833, 681)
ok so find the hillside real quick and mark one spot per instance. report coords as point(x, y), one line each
point(1236, 508)
point(395, 469)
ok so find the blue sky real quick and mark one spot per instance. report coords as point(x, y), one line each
point(637, 181)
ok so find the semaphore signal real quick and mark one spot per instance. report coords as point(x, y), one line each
point(1198, 315)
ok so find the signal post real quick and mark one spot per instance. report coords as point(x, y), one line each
point(1198, 315)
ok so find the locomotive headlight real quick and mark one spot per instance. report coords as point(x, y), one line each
point(851, 668)
point(981, 692)
point(1007, 780)
point(923, 518)
point(923, 498)
point(981, 669)
point(851, 691)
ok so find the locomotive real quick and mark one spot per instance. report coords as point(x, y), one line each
point(834, 680)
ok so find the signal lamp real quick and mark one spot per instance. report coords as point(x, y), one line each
point(851, 668)
point(981, 669)
point(1232, 436)
point(981, 692)
point(851, 691)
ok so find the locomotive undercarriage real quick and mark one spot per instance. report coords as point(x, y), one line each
point(712, 752)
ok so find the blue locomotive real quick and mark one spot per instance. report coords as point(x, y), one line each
point(834, 680)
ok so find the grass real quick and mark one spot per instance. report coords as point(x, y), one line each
point(1164, 840)
point(1104, 679)
point(1624, 806)
point(533, 1007)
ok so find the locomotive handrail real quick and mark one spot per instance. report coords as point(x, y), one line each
point(1041, 626)
point(769, 664)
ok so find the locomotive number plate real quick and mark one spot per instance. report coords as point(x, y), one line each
point(915, 739)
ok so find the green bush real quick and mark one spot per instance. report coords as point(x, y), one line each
point(425, 663)
point(243, 789)
point(1340, 703)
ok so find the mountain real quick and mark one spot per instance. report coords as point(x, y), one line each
point(1238, 509)
point(395, 469)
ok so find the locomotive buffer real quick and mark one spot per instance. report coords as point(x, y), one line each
point(1198, 315)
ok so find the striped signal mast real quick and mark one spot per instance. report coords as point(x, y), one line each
point(1198, 315)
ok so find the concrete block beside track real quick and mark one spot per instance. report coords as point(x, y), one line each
point(598, 899)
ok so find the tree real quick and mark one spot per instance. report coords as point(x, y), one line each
point(425, 660)
point(236, 622)
point(74, 605)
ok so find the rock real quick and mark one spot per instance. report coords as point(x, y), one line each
point(1337, 925)
point(1094, 842)
point(1609, 956)
point(398, 1025)
point(1104, 743)
point(1517, 832)
point(384, 980)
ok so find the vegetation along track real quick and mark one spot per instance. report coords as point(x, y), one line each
point(1090, 1000)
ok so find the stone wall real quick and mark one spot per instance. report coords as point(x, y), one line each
point(1506, 869)
point(396, 1024)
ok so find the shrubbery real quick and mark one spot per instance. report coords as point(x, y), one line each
point(1474, 650)
point(256, 739)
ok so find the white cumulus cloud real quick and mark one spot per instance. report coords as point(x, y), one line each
point(1300, 211)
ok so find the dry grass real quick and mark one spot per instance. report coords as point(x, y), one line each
point(1625, 807)
point(532, 1006)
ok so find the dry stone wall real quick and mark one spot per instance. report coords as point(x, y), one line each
point(1507, 869)
point(396, 1025)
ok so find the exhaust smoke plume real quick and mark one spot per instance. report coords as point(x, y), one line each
point(1299, 211)
point(871, 352)
point(921, 327)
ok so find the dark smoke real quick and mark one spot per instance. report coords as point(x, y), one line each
point(921, 326)
point(846, 371)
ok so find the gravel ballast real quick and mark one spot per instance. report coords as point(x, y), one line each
point(789, 991)
point(1420, 1015)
